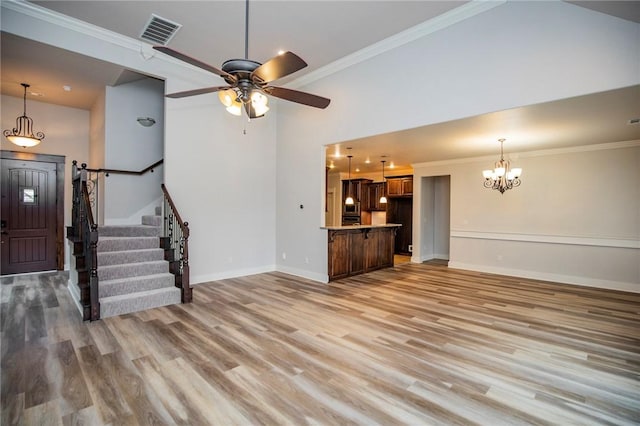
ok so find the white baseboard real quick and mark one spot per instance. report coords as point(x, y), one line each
point(74, 291)
point(545, 276)
point(201, 279)
point(430, 256)
point(313, 276)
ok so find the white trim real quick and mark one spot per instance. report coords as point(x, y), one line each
point(201, 279)
point(540, 153)
point(437, 23)
point(74, 291)
point(556, 278)
point(90, 30)
point(447, 19)
point(321, 278)
point(549, 239)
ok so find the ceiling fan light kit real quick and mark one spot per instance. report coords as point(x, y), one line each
point(248, 81)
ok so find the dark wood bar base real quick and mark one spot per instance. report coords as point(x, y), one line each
point(357, 250)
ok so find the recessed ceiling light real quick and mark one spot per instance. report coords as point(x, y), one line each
point(36, 94)
point(66, 88)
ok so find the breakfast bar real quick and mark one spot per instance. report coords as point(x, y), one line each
point(357, 249)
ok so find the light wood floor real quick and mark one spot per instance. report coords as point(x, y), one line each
point(417, 344)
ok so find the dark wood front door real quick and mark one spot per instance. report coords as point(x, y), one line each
point(29, 218)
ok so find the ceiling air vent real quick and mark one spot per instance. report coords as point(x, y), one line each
point(159, 30)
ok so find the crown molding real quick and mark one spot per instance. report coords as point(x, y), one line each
point(530, 154)
point(73, 24)
point(461, 13)
point(437, 23)
point(93, 31)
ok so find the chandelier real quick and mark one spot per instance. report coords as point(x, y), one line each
point(503, 177)
point(22, 135)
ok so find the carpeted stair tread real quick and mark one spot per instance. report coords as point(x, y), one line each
point(107, 244)
point(133, 275)
point(134, 302)
point(112, 272)
point(128, 285)
point(129, 231)
point(152, 220)
point(129, 256)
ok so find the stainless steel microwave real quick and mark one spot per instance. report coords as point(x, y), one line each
point(351, 209)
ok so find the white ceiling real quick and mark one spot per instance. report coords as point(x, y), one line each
point(321, 32)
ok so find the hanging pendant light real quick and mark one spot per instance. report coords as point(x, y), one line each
point(22, 135)
point(349, 200)
point(383, 199)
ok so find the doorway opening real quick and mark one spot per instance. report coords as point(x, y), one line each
point(435, 212)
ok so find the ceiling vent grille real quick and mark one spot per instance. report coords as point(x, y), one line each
point(159, 30)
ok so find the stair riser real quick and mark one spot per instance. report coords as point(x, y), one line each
point(127, 243)
point(130, 256)
point(129, 231)
point(132, 270)
point(139, 302)
point(135, 285)
point(152, 220)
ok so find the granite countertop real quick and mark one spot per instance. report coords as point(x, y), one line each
point(348, 227)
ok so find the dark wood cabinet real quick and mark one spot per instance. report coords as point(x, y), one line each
point(400, 186)
point(400, 210)
point(356, 251)
point(371, 201)
point(357, 189)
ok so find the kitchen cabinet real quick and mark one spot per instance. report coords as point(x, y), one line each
point(371, 201)
point(353, 251)
point(357, 189)
point(400, 186)
point(400, 210)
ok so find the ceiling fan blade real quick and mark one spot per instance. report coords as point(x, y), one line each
point(278, 67)
point(193, 61)
point(299, 97)
point(194, 92)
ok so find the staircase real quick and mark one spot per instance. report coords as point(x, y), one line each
point(133, 273)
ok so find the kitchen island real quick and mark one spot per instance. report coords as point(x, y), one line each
point(357, 249)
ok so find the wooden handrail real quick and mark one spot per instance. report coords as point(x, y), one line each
point(183, 225)
point(128, 172)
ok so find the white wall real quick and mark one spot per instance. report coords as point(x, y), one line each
point(516, 54)
point(97, 147)
point(130, 146)
point(513, 55)
point(222, 181)
point(575, 218)
point(66, 133)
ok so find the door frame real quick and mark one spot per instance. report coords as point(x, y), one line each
point(59, 161)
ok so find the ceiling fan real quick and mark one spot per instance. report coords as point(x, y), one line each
point(248, 81)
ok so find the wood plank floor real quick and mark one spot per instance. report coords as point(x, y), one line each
point(416, 344)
